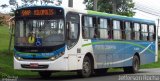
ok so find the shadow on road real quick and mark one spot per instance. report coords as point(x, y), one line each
point(74, 77)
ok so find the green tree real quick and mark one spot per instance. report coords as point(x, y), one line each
point(121, 7)
point(12, 12)
point(1, 20)
point(2, 17)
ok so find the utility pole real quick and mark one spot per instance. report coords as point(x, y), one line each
point(158, 26)
point(95, 5)
point(70, 3)
point(114, 6)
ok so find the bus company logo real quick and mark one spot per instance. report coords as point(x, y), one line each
point(47, 54)
point(105, 47)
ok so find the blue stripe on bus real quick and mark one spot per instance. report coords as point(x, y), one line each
point(39, 55)
point(117, 54)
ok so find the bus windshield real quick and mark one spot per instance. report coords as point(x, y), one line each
point(39, 32)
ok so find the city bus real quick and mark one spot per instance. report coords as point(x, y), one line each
point(51, 39)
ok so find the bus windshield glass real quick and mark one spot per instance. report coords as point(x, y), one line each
point(39, 32)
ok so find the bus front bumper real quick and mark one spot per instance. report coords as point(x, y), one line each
point(60, 64)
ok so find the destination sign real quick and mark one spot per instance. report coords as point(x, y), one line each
point(38, 12)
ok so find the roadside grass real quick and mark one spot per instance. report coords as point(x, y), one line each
point(6, 68)
point(6, 60)
point(4, 38)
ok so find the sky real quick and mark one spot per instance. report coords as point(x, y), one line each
point(141, 6)
point(77, 4)
point(149, 6)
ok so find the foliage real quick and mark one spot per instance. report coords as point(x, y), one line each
point(1, 20)
point(121, 7)
point(12, 12)
point(4, 6)
point(34, 2)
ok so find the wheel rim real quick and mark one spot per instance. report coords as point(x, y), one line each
point(136, 65)
point(86, 67)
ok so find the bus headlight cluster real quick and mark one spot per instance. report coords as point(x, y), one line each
point(18, 58)
point(57, 56)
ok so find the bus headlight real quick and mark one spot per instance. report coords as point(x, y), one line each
point(18, 58)
point(52, 58)
point(57, 56)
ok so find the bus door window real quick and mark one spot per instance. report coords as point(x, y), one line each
point(73, 31)
point(136, 30)
point(144, 31)
point(116, 30)
point(73, 28)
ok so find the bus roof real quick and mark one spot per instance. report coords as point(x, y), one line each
point(119, 17)
point(95, 13)
point(38, 6)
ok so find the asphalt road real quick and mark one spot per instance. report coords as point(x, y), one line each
point(142, 75)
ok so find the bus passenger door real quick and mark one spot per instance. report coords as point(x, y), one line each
point(73, 30)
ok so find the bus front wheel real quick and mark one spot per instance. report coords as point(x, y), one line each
point(135, 66)
point(45, 74)
point(86, 68)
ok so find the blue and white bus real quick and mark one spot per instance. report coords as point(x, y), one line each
point(49, 39)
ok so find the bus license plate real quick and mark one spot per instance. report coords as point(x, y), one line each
point(34, 64)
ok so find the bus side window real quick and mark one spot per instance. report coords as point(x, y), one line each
point(128, 30)
point(86, 25)
point(117, 34)
point(136, 30)
point(151, 33)
point(88, 29)
point(144, 31)
point(103, 28)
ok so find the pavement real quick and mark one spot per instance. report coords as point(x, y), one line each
point(142, 75)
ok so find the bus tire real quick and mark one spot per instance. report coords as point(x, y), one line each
point(101, 71)
point(135, 66)
point(45, 74)
point(86, 68)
